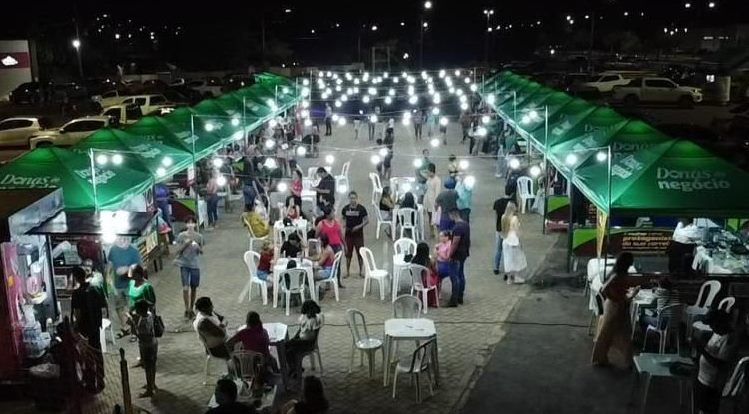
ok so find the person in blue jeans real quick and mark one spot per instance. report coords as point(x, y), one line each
point(460, 249)
point(189, 250)
point(211, 196)
point(500, 205)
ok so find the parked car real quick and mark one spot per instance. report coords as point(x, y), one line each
point(209, 88)
point(26, 93)
point(70, 133)
point(154, 86)
point(182, 95)
point(15, 132)
point(605, 82)
point(147, 103)
point(109, 98)
point(123, 114)
point(657, 90)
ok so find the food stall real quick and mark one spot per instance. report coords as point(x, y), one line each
point(27, 295)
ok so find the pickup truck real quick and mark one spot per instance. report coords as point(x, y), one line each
point(605, 82)
point(109, 98)
point(123, 114)
point(656, 90)
point(70, 133)
point(147, 103)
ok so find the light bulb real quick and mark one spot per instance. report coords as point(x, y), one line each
point(469, 181)
point(167, 161)
point(307, 122)
point(373, 118)
point(443, 121)
point(235, 122)
point(481, 131)
point(116, 159)
point(218, 162)
point(344, 97)
point(413, 100)
point(329, 159)
point(269, 144)
point(334, 118)
point(418, 163)
point(535, 171)
point(435, 111)
point(491, 99)
point(341, 121)
point(365, 99)
point(434, 142)
point(406, 122)
point(533, 113)
point(272, 123)
point(102, 159)
point(383, 152)
point(342, 189)
point(464, 106)
point(391, 92)
point(375, 159)
point(270, 163)
point(108, 237)
point(301, 151)
point(571, 159)
point(601, 156)
point(463, 164)
point(282, 187)
point(221, 181)
point(485, 119)
point(474, 88)
point(388, 100)
point(337, 104)
point(209, 127)
point(442, 73)
point(514, 163)
point(160, 172)
point(372, 91)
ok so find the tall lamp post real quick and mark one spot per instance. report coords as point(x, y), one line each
point(422, 28)
point(488, 13)
point(77, 46)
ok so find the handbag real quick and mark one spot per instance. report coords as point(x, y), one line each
point(158, 325)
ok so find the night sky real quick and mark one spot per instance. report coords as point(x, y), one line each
point(457, 28)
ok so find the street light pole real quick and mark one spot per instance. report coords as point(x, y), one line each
point(488, 13)
point(422, 27)
point(77, 46)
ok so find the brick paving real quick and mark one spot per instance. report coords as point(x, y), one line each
point(465, 334)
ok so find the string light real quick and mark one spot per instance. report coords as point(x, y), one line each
point(282, 187)
point(102, 159)
point(221, 181)
point(329, 159)
point(514, 163)
point(535, 170)
point(434, 142)
point(571, 159)
point(463, 164)
point(218, 162)
point(167, 161)
point(418, 162)
point(341, 121)
point(117, 159)
point(301, 151)
point(375, 159)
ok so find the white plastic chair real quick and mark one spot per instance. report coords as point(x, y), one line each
point(420, 364)
point(525, 192)
point(597, 313)
point(342, 180)
point(734, 387)
point(671, 327)
point(312, 174)
point(247, 365)
point(417, 284)
point(380, 221)
point(708, 291)
point(313, 248)
point(106, 326)
point(250, 260)
point(361, 340)
point(253, 237)
point(297, 284)
point(333, 275)
point(404, 246)
point(407, 307)
point(284, 234)
point(372, 272)
point(407, 221)
point(725, 305)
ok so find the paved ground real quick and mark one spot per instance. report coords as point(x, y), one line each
point(465, 334)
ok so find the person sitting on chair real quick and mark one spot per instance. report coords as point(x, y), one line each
point(210, 328)
point(305, 339)
point(226, 398)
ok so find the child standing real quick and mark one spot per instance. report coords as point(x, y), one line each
point(148, 345)
point(442, 249)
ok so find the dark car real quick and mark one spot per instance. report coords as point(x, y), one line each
point(182, 95)
point(26, 93)
point(154, 86)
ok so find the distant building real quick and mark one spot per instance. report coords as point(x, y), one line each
point(713, 39)
point(16, 65)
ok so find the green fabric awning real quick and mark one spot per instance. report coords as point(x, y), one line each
point(54, 167)
point(165, 132)
point(211, 130)
point(675, 177)
point(160, 160)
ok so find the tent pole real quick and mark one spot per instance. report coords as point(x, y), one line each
point(195, 170)
point(545, 169)
point(570, 226)
point(93, 178)
point(608, 217)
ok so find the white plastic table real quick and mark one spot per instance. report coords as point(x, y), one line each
point(410, 330)
point(656, 365)
point(399, 264)
point(280, 266)
point(300, 224)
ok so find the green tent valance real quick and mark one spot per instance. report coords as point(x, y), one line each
point(54, 167)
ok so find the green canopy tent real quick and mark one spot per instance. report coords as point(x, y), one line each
point(536, 126)
point(165, 132)
point(255, 104)
point(54, 167)
point(564, 137)
point(672, 178)
point(515, 100)
point(210, 131)
point(160, 160)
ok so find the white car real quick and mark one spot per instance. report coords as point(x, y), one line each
point(109, 98)
point(657, 90)
point(147, 103)
point(70, 133)
point(15, 132)
point(605, 82)
point(123, 114)
point(208, 88)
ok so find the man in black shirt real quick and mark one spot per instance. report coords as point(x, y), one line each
point(499, 209)
point(86, 304)
point(355, 216)
point(325, 189)
point(292, 246)
point(460, 250)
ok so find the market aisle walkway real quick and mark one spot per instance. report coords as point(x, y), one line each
point(465, 334)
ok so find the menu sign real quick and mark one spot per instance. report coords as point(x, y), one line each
point(650, 241)
point(645, 241)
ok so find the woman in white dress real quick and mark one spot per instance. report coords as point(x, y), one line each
point(513, 258)
point(434, 186)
